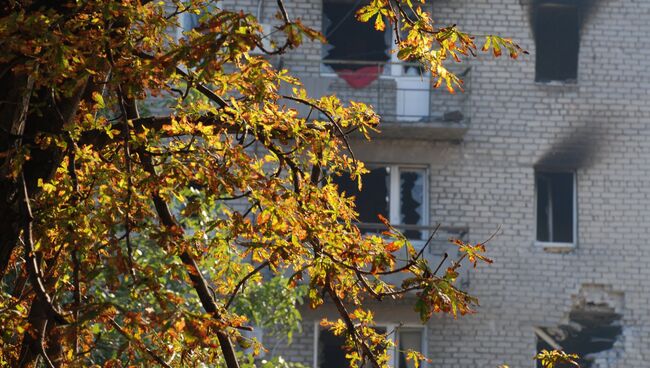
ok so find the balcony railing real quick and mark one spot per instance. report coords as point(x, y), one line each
point(434, 254)
point(399, 92)
point(419, 234)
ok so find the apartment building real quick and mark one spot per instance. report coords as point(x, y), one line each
point(552, 149)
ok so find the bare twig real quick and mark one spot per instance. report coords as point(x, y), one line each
point(283, 11)
point(41, 346)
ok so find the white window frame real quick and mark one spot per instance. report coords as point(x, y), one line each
point(561, 245)
point(394, 196)
point(391, 328)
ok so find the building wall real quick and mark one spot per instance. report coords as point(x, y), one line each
point(599, 126)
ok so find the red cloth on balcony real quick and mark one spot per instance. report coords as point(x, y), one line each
point(361, 77)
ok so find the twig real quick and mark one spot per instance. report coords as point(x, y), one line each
point(243, 281)
point(350, 326)
point(139, 344)
point(444, 258)
point(399, 269)
point(283, 11)
point(41, 346)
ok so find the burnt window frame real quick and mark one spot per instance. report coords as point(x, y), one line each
point(392, 328)
point(556, 4)
point(574, 215)
point(394, 190)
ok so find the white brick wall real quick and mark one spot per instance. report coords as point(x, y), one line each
point(488, 180)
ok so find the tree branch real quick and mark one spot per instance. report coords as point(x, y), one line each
point(139, 344)
point(350, 326)
point(31, 261)
point(243, 281)
point(198, 281)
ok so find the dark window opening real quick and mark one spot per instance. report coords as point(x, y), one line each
point(557, 42)
point(350, 43)
point(408, 210)
point(331, 351)
point(555, 207)
point(372, 200)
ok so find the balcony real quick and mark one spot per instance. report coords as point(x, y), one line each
point(435, 252)
point(404, 96)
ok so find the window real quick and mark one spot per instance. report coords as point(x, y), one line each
point(396, 192)
point(556, 207)
point(330, 353)
point(557, 41)
point(408, 338)
point(355, 50)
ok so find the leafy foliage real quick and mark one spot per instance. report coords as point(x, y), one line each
point(129, 239)
point(557, 359)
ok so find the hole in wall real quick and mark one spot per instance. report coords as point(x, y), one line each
point(593, 329)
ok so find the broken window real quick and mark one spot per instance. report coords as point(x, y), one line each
point(590, 333)
point(394, 192)
point(354, 50)
point(555, 207)
point(557, 41)
point(411, 204)
point(330, 351)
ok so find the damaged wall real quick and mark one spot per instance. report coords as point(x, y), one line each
point(598, 125)
point(593, 329)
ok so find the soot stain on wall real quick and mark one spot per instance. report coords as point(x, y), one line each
point(586, 9)
point(577, 149)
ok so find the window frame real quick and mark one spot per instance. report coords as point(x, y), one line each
point(556, 4)
point(551, 244)
point(393, 66)
point(389, 326)
point(394, 196)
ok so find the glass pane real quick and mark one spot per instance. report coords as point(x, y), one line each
point(412, 200)
point(555, 207)
point(543, 208)
point(562, 191)
point(372, 200)
point(557, 40)
point(331, 353)
point(408, 339)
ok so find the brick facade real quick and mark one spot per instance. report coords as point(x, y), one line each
point(597, 126)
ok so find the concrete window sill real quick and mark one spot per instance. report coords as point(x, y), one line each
point(551, 247)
